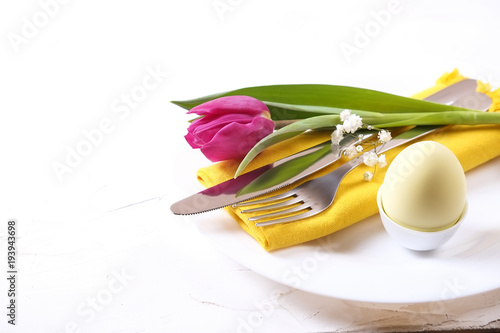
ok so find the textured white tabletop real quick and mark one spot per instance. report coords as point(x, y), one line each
point(93, 153)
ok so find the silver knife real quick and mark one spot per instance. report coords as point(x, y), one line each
point(227, 193)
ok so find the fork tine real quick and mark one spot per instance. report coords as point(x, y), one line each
point(291, 210)
point(283, 204)
point(285, 195)
point(292, 218)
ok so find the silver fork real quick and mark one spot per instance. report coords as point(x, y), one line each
point(314, 196)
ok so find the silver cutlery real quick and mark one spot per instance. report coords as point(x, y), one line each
point(228, 193)
point(314, 196)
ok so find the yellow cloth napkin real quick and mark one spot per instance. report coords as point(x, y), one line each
point(356, 198)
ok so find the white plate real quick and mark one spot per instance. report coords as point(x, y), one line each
point(362, 263)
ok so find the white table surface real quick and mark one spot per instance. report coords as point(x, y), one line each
point(98, 248)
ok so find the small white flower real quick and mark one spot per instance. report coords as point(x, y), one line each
point(368, 176)
point(370, 127)
point(382, 162)
point(384, 136)
point(337, 135)
point(345, 114)
point(335, 149)
point(359, 149)
point(370, 159)
point(350, 151)
point(352, 123)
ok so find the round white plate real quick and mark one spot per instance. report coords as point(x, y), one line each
point(362, 263)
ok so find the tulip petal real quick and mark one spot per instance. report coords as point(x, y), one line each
point(192, 140)
point(205, 129)
point(235, 140)
point(231, 104)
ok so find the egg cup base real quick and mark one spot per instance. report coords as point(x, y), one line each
point(414, 239)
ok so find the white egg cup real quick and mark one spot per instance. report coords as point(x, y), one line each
point(418, 240)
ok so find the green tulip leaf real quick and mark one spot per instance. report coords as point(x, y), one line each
point(340, 97)
point(284, 171)
point(289, 131)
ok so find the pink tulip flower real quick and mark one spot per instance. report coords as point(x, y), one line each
point(229, 127)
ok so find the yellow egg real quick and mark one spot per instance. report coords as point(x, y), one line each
point(424, 188)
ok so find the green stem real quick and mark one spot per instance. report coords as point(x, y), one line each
point(434, 118)
point(376, 119)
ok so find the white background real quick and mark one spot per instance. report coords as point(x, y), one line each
point(99, 250)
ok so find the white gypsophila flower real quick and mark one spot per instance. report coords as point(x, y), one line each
point(382, 161)
point(370, 159)
point(352, 123)
point(368, 176)
point(337, 135)
point(350, 151)
point(370, 127)
point(345, 114)
point(335, 149)
point(359, 149)
point(384, 136)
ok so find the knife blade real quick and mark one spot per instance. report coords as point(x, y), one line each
point(227, 193)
